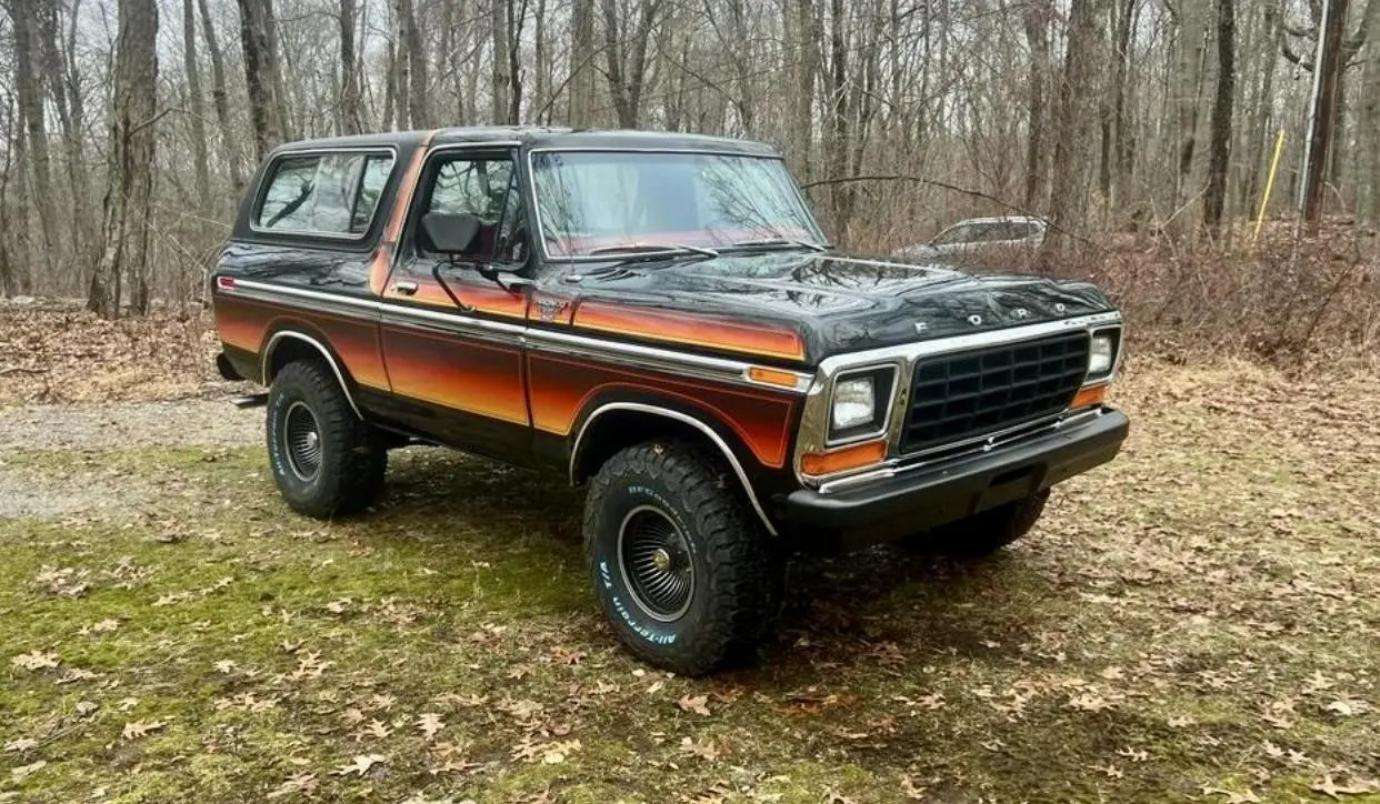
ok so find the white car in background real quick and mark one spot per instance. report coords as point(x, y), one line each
point(982, 234)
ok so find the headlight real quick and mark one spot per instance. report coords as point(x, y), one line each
point(1102, 355)
point(860, 403)
point(855, 403)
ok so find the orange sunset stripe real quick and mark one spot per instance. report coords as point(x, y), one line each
point(695, 330)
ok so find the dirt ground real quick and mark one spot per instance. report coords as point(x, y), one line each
point(1198, 621)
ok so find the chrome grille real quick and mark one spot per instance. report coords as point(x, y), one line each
point(969, 394)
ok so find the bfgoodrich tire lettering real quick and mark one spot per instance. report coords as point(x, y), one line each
point(338, 468)
point(736, 579)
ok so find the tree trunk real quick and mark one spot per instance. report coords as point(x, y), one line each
point(1220, 145)
point(582, 54)
point(67, 102)
point(1076, 121)
point(1037, 17)
point(840, 121)
point(1122, 141)
point(21, 251)
point(196, 109)
point(263, 114)
point(220, 99)
point(807, 68)
point(9, 285)
point(31, 109)
point(275, 69)
point(626, 56)
point(1368, 128)
point(1187, 83)
point(418, 104)
point(513, 31)
point(1262, 133)
point(1323, 118)
point(540, 66)
point(130, 182)
point(349, 78)
point(502, 78)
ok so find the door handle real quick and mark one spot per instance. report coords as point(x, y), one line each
point(405, 288)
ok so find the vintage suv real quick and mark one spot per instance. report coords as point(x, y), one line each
point(660, 317)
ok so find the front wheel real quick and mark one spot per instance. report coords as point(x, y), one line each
point(324, 459)
point(683, 569)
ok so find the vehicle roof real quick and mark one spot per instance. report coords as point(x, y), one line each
point(531, 137)
point(999, 219)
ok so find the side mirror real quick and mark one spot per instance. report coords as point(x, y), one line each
point(448, 233)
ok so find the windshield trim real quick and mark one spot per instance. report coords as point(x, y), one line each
point(540, 235)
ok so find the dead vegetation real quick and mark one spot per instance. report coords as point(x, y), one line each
point(1198, 621)
point(55, 351)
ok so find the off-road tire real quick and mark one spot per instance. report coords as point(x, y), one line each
point(352, 458)
point(737, 569)
point(985, 533)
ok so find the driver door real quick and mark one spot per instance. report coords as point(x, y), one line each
point(454, 367)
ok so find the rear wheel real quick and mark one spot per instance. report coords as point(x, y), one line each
point(325, 460)
point(682, 567)
point(985, 533)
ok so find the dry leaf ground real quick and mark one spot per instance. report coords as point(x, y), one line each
point(1199, 621)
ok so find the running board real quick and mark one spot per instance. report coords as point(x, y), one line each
point(250, 401)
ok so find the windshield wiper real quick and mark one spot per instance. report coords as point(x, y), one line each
point(652, 248)
point(779, 241)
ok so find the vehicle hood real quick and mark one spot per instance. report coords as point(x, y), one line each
point(837, 303)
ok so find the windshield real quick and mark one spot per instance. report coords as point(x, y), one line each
point(597, 202)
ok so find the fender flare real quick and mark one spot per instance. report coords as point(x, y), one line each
point(267, 360)
point(683, 418)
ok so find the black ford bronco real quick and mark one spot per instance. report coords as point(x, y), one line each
point(659, 317)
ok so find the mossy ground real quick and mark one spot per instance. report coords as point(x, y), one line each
point(1199, 620)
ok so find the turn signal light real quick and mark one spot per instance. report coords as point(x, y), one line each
point(827, 463)
point(1087, 397)
point(770, 376)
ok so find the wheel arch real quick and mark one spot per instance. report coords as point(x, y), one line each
point(287, 344)
point(635, 422)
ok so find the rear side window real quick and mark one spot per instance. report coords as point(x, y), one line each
point(331, 194)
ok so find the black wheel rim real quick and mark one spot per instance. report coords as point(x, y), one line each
point(656, 562)
point(302, 442)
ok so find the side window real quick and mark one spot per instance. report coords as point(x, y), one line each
point(327, 194)
point(376, 170)
point(486, 188)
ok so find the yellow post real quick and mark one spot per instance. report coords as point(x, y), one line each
point(1269, 185)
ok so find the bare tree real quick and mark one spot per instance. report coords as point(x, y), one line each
point(63, 78)
point(1075, 121)
point(1037, 19)
point(349, 77)
point(129, 189)
point(502, 62)
point(1191, 50)
point(220, 99)
point(1368, 180)
point(195, 107)
point(414, 59)
point(9, 284)
point(31, 110)
point(806, 52)
point(258, 74)
point(581, 83)
point(1322, 121)
point(1220, 145)
point(625, 52)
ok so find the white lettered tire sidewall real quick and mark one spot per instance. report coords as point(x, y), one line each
point(615, 594)
point(735, 589)
point(282, 397)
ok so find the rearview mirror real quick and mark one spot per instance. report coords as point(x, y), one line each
point(450, 233)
